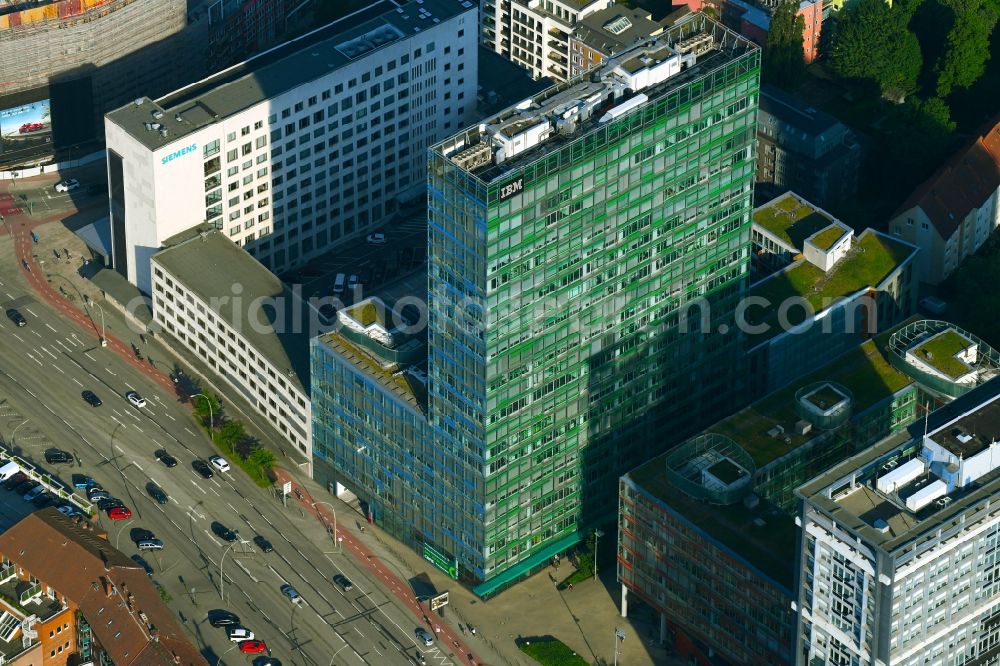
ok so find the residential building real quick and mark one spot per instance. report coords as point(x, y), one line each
point(898, 550)
point(67, 62)
point(608, 32)
point(952, 214)
point(82, 600)
point(752, 19)
point(535, 34)
point(503, 84)
point(252, 330)
point(706, 531)
point(299, 148)
point(802, 149)
point(821, 290)
point(238, 29)
point(565, 236)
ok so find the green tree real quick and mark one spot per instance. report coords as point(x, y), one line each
point(872, 41)
point(783, 62)
point(967, 46)
point(263, 459)
point(206, 404)
point(921, 134)
point(230, 435)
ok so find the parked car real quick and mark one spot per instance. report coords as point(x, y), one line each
point(223, 532)
point(344, 582)
point(253, 647)
point(96, 494)
point(292, 594)
point(425, 636)
point(67, 185)
point(84, 481)
point(108, 503)
point(150, 544)
point(91, 398)
point(16, 317)
point(203, 469)
point(25, 486)
point(237, 634)
point(54, 456)
point(376, 239)
point(219, 463)
point(222, 618)
point(266, 661)
point(165, 458)
point(138, 534)
point(44, 500)
point(157, 493)
point(263, 544)
point(119, 513)
point(135, 399)
point(15, 481)
point(141, 561)
point(33, 493)
point(69, 510)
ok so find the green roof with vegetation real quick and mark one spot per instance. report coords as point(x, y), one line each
point(940, 352)
point(871, 260)
point(791, 220)
point(770, 548)
point(826, 239)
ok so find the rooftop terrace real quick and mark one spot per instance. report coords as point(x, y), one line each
point(858, 493)
point(690, 49)
point(873, 258)
point(941, 352)
point(791, 220)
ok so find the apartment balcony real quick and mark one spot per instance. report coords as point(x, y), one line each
point(488, 9)
point(559, 35)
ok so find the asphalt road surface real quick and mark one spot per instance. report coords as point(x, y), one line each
point(44, 368)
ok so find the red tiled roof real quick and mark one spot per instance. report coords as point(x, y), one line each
point(963, 183)
point(110, 589)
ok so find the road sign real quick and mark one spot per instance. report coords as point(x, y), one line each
point(439, 601)
point(287, 488)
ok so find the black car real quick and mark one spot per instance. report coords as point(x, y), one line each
point(16, 317)
point(157, 493)
point(223, 532)
point(23, 487)
point(266, 661)
point(203, 469)
point(44, 500)
point(96, 494)
point(166, 458)
point(53, 456)
point(109, 503)
point(92, 399)
point(344, 582)
point(141, 561)
point(15, 480)
point(222, 618)
point(138, 534)
point(263, 544)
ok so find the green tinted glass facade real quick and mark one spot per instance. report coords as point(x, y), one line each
point(558, 283)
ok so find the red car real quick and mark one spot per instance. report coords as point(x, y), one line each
point(119, 513)
point(253, 647)
point(31, 127)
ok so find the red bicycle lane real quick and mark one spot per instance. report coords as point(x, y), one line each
point(442, 632)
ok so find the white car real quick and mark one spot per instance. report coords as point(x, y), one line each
point(135, 399)
point(376, 239)
point(237, 634)
point(219, 463)
point(67, 185)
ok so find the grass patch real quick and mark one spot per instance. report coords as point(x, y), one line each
point(584, 571)
point(790, 220)
point(826, 239)
point(551, 652)
point(941, 350)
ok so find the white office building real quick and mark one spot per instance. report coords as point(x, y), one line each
point(900, 546)
point(301, 147)
point(251, 329)
point(535, 34)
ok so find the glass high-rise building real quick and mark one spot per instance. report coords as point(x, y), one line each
point(568, 235)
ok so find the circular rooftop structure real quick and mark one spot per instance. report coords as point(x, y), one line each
point(711, 468)
point(826, 405)
point(942, 357)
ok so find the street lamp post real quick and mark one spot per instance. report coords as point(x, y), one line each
point(597, 534)
point(219, 660)
point(222, 580)
point(12, 440)
point(336, 534)
point(104, 338)
point(619, 637)
point(211, 417)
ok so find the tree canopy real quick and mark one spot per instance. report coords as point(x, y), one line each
point(967, 45)
point(872, 42)
point(783, 62)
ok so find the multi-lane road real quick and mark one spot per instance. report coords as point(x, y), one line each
point(44, 368)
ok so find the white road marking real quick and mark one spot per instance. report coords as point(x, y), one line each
point(137, 428)
point(50, 327)
point(37, 334)
point(215, 491)
point(87, 354)
point(19, 337)
point(197, 486)
point(34, 359)
point(195, 512)
point(60, 342)
point(58, 368)
point(119, 449)
point(170, 417)
point(9, 296)
point(48, 352)
point(136, 465)
point(188, 430)
point(109, 371)
point(131, 388)
point(359, 632)
point(28, 310)
point(77, 381)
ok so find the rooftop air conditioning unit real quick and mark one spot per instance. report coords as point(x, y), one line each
point(157, 114)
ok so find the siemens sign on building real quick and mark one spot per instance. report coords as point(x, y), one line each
point(179, 153)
